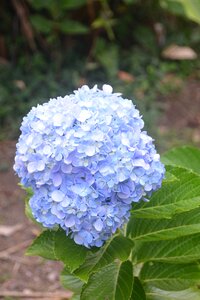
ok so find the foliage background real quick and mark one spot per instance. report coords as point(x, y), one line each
point(49, 48)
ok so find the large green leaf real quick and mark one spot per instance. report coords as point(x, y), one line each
point(66, 250)
point(170, 277)
point(43, 245)
point(70, 281)
point(180, 225)
point(181, 250)
point(158, 294)
point(117, 247)
point(112, 282)
point(186, 8)
point(56, 245)
point(138, 292)
point(174, 197)
point(187, 157)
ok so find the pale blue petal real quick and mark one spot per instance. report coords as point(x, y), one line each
point(57, 196)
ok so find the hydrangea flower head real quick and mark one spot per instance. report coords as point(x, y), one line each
point(87, 159)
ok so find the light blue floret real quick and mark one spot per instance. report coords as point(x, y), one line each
point(87, 159)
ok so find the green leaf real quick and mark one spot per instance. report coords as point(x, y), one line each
point(157, 294)
point(39, 5)
point(170, 277)
point(66, 250)
point(181, 225)
point(186, 157)
point(112, 282)
point(180, 250)
point(130, 1)
point(43, 245)
point(72, 27)
point(138, 292)
point(56, 245)
point(75, 297)
point(169, 177)
point(187, 8)
point(117, 247)
point(174, 197)
point(103, 52)
point(70, 281)
point(72, 4)
point(41, 23)
point(28, 211)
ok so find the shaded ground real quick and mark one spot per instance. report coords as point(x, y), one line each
point(180, 123)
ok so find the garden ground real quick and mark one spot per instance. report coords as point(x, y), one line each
point(32, 277)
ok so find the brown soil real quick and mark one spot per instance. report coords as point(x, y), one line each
point(180, 121)
point(179, 124)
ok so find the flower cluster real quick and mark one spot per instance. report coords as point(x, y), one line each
point(87, 159)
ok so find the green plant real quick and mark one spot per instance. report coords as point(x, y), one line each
point(57, 19)
point(189, 9)
point(156, 257)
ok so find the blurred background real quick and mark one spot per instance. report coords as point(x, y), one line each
point(146, 49)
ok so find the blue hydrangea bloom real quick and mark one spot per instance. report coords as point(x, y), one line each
point(87, 159)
